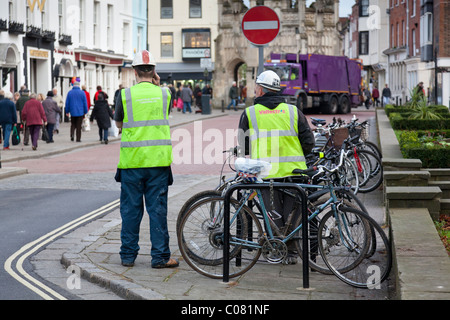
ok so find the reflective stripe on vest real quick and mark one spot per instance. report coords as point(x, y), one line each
point(146, 140)
point(284, 150)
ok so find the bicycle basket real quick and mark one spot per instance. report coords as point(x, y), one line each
point(252, 170)
point(340, 134)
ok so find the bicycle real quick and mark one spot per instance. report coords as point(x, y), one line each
point(201, 234)
point(364, 155)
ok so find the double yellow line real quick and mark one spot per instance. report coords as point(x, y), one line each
point(23, 253)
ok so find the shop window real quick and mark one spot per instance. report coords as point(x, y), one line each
point(195, 8)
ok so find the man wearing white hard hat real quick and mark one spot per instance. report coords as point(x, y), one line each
point(142, 112)
point(274, 131)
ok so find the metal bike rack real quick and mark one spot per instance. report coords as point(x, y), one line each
point(226, 224)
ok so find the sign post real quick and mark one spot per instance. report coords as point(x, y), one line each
point(260, 25)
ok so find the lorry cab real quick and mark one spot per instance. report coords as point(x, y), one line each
point(329, 83)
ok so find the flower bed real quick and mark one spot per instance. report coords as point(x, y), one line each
point(423, 134)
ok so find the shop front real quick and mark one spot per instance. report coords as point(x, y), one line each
point(98, 68)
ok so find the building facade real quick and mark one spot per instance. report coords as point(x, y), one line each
point(182, 37)
point(312, 29)
point(51, 43)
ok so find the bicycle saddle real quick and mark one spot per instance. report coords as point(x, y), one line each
point(316, 121)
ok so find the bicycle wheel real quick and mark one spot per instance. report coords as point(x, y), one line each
point(372, 147)
point(200, 238)
point(343, 239)
point(315, 261)
point(192, 200)
point(373, 170)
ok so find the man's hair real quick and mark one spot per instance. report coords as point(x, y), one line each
point(146, 71)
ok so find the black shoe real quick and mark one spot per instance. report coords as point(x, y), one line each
point(71, 138)
point(106, 141)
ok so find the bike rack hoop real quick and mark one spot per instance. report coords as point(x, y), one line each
point(266, 185)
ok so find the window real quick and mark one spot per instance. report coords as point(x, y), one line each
point(413, 8)
point(11, 11)
point(392, 36)
point(82, 17)
point(60, 17)
point(195, 8)
point(44, 19)
point(196, 43)
point(166, 9)
point(125, 37)
point(96, 24)
point(364, 8)
point(364, 42)
point(426, 29)
point(109, 27)
point(28, 15)
point(140, 35)
point(403, 33)
point(397, 43)
point(166, 45)
point(196, 39)
point(413, 36)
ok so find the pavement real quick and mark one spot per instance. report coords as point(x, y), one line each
point(93, 249)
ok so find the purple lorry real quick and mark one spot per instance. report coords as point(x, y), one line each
point(330, 84)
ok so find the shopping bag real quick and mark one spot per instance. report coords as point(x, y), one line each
point(113, 131)
point(44, 133)
point(85, 126)
point(15, 138)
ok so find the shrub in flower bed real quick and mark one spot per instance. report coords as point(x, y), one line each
point(431, 147)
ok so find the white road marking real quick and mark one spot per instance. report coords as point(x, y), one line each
point(28, 249)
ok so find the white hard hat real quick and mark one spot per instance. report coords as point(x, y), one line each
point(143, 58)
point(269, 79)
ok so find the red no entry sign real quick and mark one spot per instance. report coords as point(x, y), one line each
point(260, 25)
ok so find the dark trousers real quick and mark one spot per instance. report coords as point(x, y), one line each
point(50, 127)
point(34, 134)
point(75, 124)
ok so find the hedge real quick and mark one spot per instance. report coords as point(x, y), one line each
point(401, 122)
point(401, 109)
point(432, 155)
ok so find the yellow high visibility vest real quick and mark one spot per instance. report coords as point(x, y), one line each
point(146, 140)
point(274, 138)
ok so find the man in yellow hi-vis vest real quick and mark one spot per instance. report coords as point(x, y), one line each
point(144, 171)
point(276, 132)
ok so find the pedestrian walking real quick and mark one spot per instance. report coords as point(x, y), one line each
point(179, 101)
point(25, 96)
point(60, 103)
point(88, 97)
point(386, 95)
point(259, 137)
point(103, 114)
point(53, 113)
point(376, 96)
point(99, 89)
point(34, 116)
point(367, 97)
point(186, 96)
point(76, 107)
point(144, 166)
point(233, 95)
point(198, 97)
point(8, 117)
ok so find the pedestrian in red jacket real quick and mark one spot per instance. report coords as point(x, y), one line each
point(34, 116)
